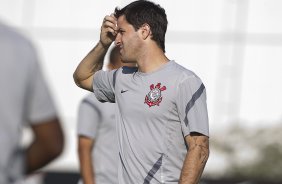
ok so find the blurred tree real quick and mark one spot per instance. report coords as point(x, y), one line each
point(252, 154)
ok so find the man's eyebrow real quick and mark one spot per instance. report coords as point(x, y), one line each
point(120, 30)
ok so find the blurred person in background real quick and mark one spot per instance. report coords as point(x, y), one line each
point(97, 141)
point(25, 101)
point(163, 129)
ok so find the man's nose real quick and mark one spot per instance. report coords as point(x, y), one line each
point(117, 40)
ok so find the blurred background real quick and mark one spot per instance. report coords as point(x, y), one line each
point(235, 46)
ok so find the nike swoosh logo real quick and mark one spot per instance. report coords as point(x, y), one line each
point(123, 91)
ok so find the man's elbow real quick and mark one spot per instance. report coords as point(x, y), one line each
point(83, 83)
point(204, 151)
point(76, 79)
point(207, 155)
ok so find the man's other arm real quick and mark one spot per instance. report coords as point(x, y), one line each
point(196, 158)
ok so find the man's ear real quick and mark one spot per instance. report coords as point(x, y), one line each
point(145, 31)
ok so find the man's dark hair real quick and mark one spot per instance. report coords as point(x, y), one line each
point(140, 12)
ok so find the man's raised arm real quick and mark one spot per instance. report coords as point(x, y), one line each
point(93, 61)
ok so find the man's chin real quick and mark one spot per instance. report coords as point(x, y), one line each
point(127, 61)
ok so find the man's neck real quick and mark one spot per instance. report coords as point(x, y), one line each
point(151, 62)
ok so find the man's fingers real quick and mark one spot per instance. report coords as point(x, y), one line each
point(109, 29)
point(111, 25)
point(110, 18)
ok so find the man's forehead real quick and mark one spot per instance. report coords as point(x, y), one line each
point(122, 20)
point(123, 24)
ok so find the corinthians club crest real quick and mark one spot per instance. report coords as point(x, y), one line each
point(154, 97)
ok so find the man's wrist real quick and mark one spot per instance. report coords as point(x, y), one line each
point(103, 45)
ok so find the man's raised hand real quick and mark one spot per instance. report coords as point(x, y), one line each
point(108, 30)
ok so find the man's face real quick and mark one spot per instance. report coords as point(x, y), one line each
point(127, 40)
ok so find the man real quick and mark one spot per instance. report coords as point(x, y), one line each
point(97, 141)
point(163, 122)
point(25, 101)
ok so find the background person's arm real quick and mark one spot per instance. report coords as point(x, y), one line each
point(47, 145)
point(85, 146)
point(196, 158)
